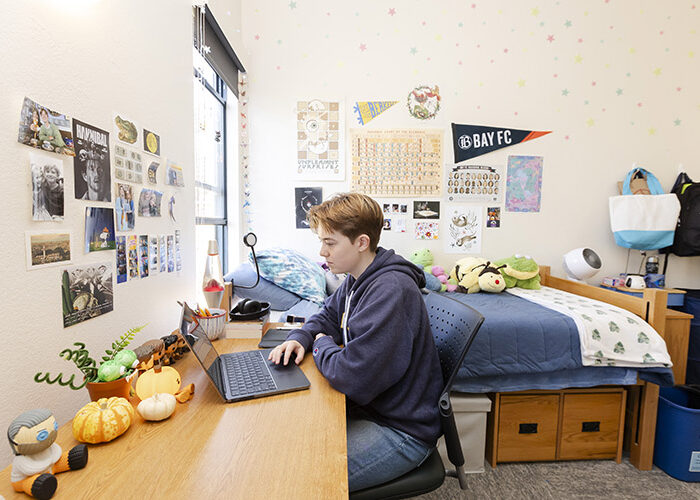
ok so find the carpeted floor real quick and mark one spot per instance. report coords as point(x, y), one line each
point(585, 479)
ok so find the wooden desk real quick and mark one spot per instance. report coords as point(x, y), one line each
point(286, 446)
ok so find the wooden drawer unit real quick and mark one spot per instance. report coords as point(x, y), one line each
point(569, 424)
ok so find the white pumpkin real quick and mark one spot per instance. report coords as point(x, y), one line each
point(158, 407)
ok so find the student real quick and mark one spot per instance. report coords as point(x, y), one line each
point(389, 368)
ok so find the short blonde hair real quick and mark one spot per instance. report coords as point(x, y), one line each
point(350, 214)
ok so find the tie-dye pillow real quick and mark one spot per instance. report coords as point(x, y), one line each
point(292, 271)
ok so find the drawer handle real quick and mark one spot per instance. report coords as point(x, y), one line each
point(590, 427)
point(528, 429)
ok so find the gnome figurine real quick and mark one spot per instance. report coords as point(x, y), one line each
point(38, 458)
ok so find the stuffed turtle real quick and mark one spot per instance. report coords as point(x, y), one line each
point(521, 271)
point(423, 258)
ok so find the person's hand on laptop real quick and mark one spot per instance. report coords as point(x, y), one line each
point(284, 351)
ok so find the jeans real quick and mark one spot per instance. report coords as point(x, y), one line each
point(377, 454)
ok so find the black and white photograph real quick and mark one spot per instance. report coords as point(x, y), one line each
point(47, 187)
point(41, 128)
point(305, 198)
point(426, 209)
point(47, 249)
point(91, 165)
point(149, 203)
point(86, 292)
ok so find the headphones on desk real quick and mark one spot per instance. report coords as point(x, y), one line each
point(249, 309)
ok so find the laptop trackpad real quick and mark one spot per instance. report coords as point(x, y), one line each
point(289, 376)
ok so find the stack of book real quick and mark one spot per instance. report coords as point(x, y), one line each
point(244, 329)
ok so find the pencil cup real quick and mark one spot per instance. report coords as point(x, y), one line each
point(213, 325)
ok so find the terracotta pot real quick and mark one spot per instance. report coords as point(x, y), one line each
point(116, 388)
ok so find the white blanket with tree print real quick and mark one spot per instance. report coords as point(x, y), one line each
point(610, 335)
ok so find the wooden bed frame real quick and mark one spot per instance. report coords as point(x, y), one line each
point(642, 400)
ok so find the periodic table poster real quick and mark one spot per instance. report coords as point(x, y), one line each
point(397, 163)
point(320, 139)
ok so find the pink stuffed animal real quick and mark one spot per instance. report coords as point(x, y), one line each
point(439, 273)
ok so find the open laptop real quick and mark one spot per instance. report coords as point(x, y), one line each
point(239, 375)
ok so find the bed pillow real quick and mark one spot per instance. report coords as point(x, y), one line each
point(265, 291)
point(292, 271)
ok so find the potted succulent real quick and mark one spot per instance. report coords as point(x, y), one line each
point(111, 378)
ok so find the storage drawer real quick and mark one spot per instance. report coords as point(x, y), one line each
point(590, 426)
point(528, 427)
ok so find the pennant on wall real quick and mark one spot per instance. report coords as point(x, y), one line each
point(470, 141)
point(369, 110)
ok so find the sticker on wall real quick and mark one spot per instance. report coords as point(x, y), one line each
point(91, 168)
point(424, 102)
point(320, 139)
point(470, 141)
point(524, 183)
point(143, 255)
point(133, 256)
point(128, 164)
point(152, 170)
point(426, 209)
point(126, 130)
point(367, 111)
point(99, 229)
point(86, 292)
point(41, 128)
point(151, 142)
point(474, 183)
point(124, 207)
point(427, 230)
point(45, 249)
point(304, 199)
point(47, 187)
point(121, 259)
point(464, 232)
point(493, 217)
point(149, 203)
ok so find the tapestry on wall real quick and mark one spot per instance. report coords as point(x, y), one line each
point(474, 183)
point(86, 292)
point(470, 141)
point(320, 139)
point(367, 111)
point(41, 128)
point(464, 229)
point(524, 184)
point(400, 163)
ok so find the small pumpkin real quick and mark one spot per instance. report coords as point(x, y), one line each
point(102, 420)
point(158, 407)
point(158, 379)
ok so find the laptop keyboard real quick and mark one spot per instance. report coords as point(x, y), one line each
point(248, 374)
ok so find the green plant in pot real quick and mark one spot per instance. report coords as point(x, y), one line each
point(110, 378)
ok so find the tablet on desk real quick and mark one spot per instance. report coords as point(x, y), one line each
point(273, 337)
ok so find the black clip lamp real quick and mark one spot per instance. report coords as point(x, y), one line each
point(247, 309)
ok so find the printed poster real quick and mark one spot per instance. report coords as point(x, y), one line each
point(304, 199)
point(464, 229)
point(86, 292)
point(91, 168)
point(124, 207)
point(143, 256)
point(45, 249)
point(128, 164)
point(427, 230)
point(99, 229)
point(524, 183)
point(41, 128)
point(121, 259)
point(47, 187)
point(474, 183)
point(320, 139)
point(133, 256)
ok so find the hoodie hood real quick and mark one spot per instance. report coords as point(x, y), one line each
point(386, 261)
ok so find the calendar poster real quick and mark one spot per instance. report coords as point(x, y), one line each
point(464, 228)
point(320, 139)
point(397, 163)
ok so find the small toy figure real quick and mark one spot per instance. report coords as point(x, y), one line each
point(38, 458)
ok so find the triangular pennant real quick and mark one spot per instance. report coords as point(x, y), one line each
point(368, 110)
point(470, 141)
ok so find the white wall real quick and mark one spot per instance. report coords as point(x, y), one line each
point(478, 53)
point(88, 58)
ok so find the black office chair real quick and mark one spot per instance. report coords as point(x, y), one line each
point(454, 326)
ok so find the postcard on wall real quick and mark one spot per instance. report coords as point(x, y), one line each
point(121, 259)
point(320, 139)
point(493, 217)
point(397, 211)
point(474, 183)
point(151, 142)
point(171, 253)
point(152, 170)
point(143, 256)
point(91, 168)
point(41, 128)
point(124, 207)
point(464, 228)
point(399, 225)
point(149, 203)
point(178, 257)
point(86, 292)
point(524, 183)
point(153, 253)
point(47, 187)
point(304, 199)
point(162, 252)
point(133, 256)
point(173, 175)
point(386, 226)
point(426, 210)
point(126, 130)
point(45, 249)
point(427, 230)
point(99, 229)
point(128, 164)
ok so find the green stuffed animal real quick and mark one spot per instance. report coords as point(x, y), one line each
point(423, 258)
point(521, 271)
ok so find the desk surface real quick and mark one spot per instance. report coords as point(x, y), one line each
point(286, 446)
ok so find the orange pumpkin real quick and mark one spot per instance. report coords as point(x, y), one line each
point(102, 420)
point(158, 379)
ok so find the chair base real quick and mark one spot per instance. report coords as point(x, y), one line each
point(424, 479)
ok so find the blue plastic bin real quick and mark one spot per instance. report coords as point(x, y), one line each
point(677, 446)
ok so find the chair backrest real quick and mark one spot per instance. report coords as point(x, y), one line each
point(454, 326)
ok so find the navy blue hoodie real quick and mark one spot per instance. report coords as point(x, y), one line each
point(389, 365)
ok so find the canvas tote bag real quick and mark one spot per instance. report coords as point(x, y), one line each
point(644, 222)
